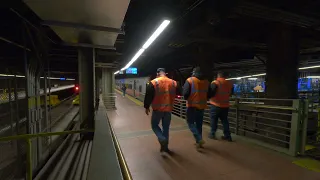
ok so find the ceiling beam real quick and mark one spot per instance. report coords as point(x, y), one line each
point(89, 45)
point(83, 26)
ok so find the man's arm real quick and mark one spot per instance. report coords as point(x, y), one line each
point(186, 90)
point(149, 95)
point(213, 89)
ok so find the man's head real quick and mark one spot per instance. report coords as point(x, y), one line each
point(222, 74)
point(161, 72)
point(196, 71)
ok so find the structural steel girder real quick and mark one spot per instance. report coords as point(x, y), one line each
point(82, 26)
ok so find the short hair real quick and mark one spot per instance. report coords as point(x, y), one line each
point(222, 74)
point(161, 70)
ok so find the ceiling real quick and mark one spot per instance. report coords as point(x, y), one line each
point(230, 35)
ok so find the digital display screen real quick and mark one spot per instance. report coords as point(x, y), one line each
point(132, 71)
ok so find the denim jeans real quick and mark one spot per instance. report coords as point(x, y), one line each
point(222, 113)
point(195, 121)
point(162, 134)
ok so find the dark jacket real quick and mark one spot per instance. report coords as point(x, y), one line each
point(150, 93)
point(187, 87)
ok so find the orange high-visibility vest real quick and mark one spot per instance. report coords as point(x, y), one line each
point(198, 94)
point(165, 92)
point(222, 96)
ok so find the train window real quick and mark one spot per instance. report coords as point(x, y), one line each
point(140, 88)
point(129, 86)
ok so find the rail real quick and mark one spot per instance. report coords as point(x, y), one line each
point(4, 97)
point(28, 137)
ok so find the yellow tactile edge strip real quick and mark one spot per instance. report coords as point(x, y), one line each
point(139, 103)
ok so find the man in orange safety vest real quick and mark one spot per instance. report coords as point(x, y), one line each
point(195, 91)
point(160, 94)
point(221, 89)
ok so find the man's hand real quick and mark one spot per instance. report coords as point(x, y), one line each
point(147, 111)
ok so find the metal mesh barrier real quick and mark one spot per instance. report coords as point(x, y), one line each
point(279, 124)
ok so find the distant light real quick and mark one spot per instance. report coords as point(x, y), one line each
point(116, 72)
point(62, 79)
point(249, 76)
point(309, 67)
point(252, 78)
point(77, 88)
point(153, 37)
point(316, 77)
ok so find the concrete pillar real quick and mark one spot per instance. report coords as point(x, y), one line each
point(205, 61)
point(98, 76)
point(108, 85)
point(282, 63)
point(86, 82)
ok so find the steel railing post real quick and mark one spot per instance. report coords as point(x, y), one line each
point(304, 125)
point(295, 127)
point(29, 159)
point(237, 115)
point(180, 106)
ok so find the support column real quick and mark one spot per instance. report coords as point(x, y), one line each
point(204, 61)
point(98, 76)
point(108, 85)
point(282, 63)
point(86, 82)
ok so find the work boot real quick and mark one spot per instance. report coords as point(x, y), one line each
point(212, 136)
point(200, 144)
point(226, 138)
point(162, 146)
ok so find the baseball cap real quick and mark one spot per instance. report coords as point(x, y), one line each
point(161, 70)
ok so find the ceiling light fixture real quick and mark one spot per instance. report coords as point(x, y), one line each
point(151, 39)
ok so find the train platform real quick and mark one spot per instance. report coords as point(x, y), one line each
point(218, 160)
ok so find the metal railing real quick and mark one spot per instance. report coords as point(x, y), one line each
point(279, 124)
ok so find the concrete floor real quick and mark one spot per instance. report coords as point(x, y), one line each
point(219, 159)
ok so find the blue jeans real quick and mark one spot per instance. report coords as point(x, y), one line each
point(162, 134)
point(195, 121)
point(222, 113)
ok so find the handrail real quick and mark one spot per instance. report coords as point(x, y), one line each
point(28, 138)
point(123, 164)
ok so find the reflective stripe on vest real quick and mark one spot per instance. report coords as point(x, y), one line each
point(198, 96)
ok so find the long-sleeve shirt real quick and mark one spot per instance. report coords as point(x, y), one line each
point(150, 93)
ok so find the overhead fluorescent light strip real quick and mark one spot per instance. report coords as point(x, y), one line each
point(309, 67)
point(154, 36)
point(151, 39)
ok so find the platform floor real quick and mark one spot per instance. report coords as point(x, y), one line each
point(219, 160)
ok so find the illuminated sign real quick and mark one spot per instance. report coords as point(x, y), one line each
point(132, 70)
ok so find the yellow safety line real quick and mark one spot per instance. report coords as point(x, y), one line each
point(310, 164)
point(139, 103)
